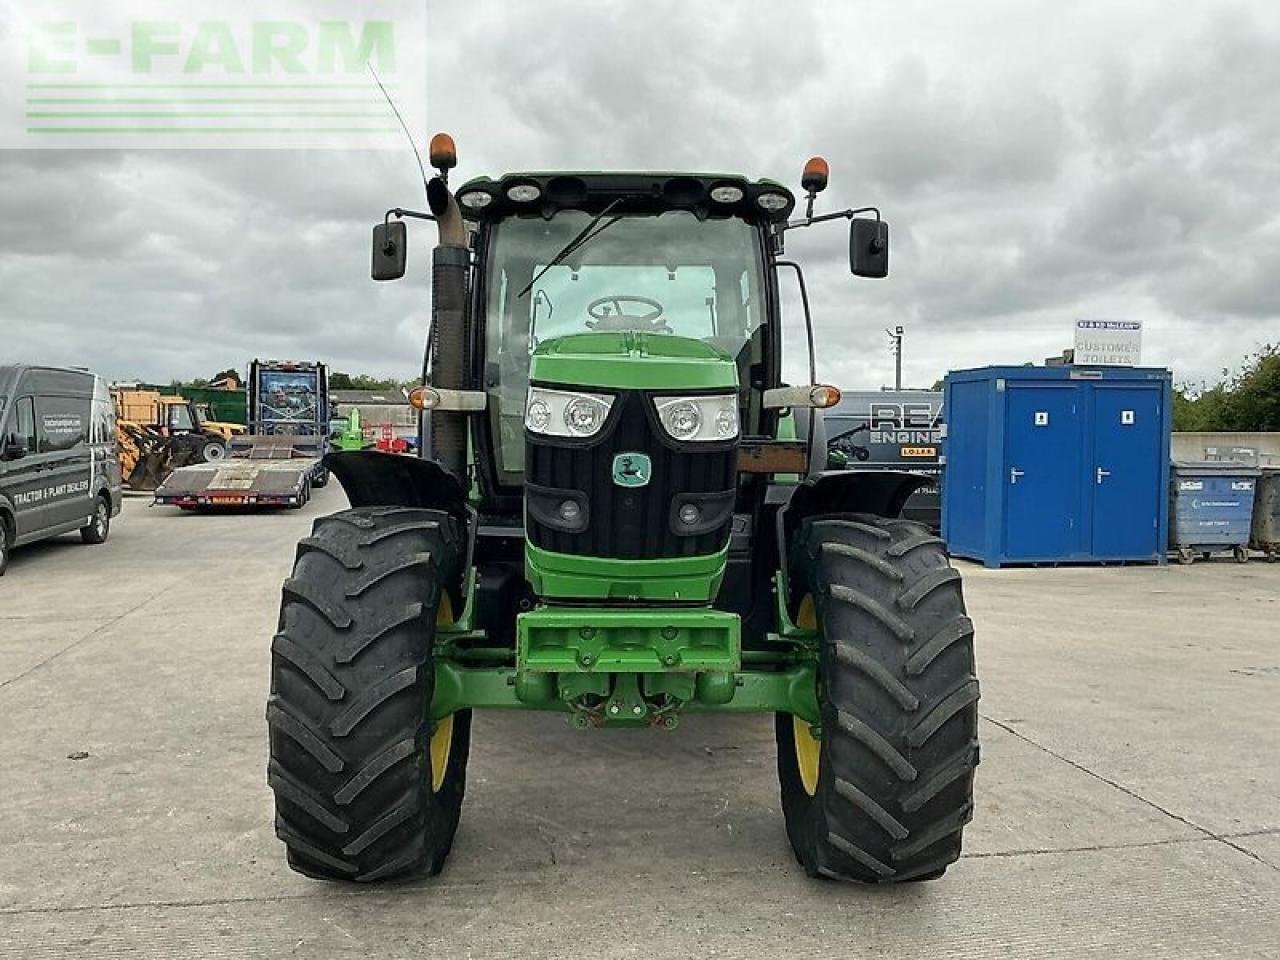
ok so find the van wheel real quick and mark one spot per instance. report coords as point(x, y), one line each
point(5, 545)
point(100, 526)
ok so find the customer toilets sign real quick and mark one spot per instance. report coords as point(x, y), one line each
point(1108, 343)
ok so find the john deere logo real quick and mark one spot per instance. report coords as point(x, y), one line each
point(631, 469)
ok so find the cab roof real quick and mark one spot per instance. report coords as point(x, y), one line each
point(629, 192)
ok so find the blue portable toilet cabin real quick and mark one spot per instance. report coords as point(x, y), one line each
point(1057, 464)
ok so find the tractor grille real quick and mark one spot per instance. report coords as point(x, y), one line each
point(629, 523)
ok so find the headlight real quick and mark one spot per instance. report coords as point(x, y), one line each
point(773, 202)
point(726, 193)
point(537, 416)
point(584, 415)
point(524, 192)
point(706, 418)
point(565, 413)
point(475, 199)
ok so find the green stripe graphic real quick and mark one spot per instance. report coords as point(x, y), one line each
point(213, 129)
point(205, 85)
point(193, 114)
point(217, 100)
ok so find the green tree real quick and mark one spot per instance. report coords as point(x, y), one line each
point(1244, 402)
point(360, 381)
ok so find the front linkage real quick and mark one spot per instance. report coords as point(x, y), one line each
point(636, 667)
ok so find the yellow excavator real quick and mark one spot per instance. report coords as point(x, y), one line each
point(202, 413)
point(157, 433)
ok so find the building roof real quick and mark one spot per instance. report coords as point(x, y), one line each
point(369, 397)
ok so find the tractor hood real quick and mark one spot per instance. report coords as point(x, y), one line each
point(629, 359)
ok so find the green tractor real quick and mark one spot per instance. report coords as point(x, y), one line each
point(621, 513)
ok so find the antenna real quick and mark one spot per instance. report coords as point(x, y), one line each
point(403, 126)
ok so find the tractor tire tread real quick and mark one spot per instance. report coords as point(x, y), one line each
point(309, 665)
point(351, 679)
point(358, 641)
point(956, 630)
point(281, 720)
point(898, 701)
point(379, 764)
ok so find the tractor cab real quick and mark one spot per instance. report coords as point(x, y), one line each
point(649, 273)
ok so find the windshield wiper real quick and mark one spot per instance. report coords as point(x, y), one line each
point(584, 237)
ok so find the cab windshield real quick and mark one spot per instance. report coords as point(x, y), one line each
point(668, 274)
point(180, 417)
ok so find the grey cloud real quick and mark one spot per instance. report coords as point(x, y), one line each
point(1038, 162)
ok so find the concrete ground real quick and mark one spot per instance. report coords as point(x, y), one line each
point(1129, 795)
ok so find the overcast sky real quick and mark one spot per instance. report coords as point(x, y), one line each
point(1038, 162)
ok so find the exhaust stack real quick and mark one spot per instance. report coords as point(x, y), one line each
point(448, 347)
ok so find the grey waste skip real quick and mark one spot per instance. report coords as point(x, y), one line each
point(1210, 507)
point(1266, 513)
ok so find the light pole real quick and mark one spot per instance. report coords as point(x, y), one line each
point(895, 347)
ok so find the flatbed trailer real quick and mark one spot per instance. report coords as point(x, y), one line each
point(280, 461)
point(262, 471)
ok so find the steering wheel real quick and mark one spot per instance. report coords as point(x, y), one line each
point(602, 320)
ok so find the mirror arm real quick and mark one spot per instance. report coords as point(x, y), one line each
point(823, 217)
point(400, 213)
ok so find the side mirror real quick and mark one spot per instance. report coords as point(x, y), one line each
point(390, 250)
point(869, 248)
point(15, 447)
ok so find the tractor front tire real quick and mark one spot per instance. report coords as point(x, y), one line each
point(366, 788)
point(883, 794)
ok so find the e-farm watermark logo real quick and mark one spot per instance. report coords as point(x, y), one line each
point(210, 73)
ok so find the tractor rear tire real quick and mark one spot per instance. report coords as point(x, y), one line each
point(883, 796)
point(353, 750)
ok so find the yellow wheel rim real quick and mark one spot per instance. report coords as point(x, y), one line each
point(808, 754)
point(442, 735)
point(441, 744)
point(808, 747)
